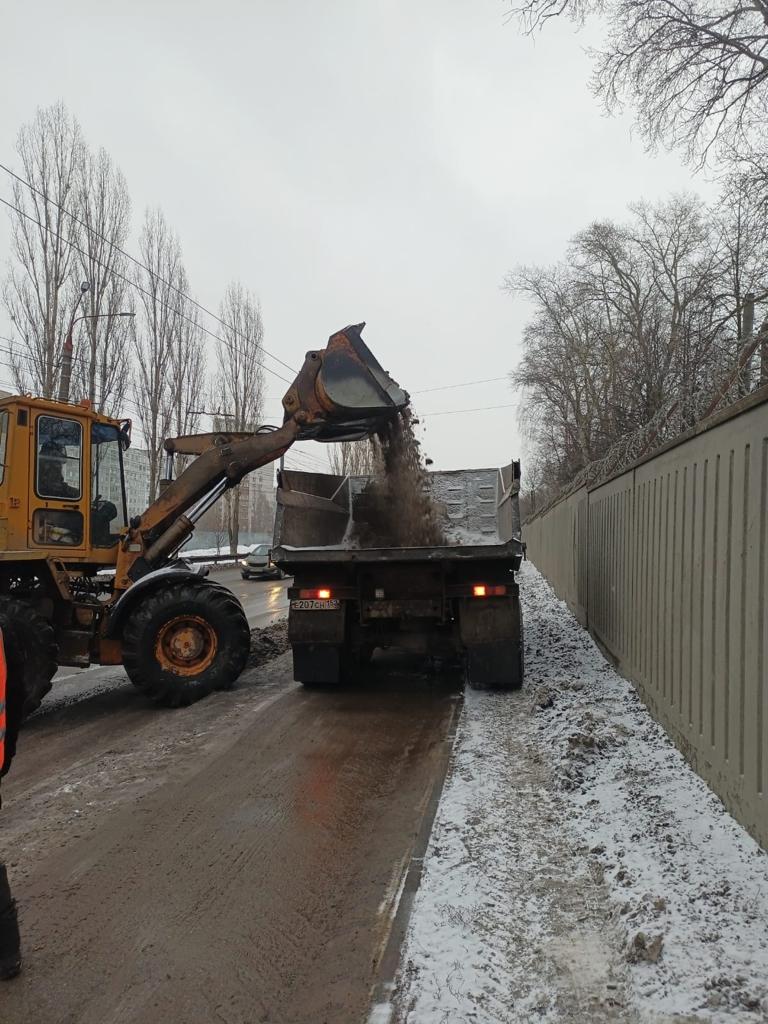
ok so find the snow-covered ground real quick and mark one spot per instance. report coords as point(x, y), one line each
point(578, 870)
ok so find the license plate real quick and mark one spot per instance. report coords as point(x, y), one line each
point(312, 605)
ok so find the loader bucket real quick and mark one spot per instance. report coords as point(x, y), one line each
point(342, 393)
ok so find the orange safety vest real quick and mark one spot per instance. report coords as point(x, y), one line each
point(3, 678)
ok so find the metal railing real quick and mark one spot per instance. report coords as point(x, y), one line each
point(213, 558)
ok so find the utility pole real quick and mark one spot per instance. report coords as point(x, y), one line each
point(747, 330)
point(764, 359)
point(66, 352)
point(66, 362)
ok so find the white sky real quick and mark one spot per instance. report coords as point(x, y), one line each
point(383, 161)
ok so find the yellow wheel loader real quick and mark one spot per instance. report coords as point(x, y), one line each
point(63, 522)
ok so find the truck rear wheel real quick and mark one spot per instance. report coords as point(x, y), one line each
point(185, 640)
point(30, 652)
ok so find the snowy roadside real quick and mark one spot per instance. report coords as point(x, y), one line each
point(578, 870)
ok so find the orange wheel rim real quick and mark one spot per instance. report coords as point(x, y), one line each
point(186, 645)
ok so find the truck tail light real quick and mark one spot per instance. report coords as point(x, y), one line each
point(319, 594)
point(484, 590)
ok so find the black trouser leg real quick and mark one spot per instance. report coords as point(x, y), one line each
point(10, 945)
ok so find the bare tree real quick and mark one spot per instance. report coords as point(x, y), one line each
point(638, 322)
point(238, 388)
point(156, 327)
point(695, 72)
point(39, 292)
point(103, 219)
point(187, 367)
point(570, 370)
point(352, 458)
point(535, 492)
point(740, 241)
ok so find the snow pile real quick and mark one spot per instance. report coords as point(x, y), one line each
point(578, 870)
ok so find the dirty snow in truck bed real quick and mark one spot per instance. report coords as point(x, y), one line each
point(578, 870)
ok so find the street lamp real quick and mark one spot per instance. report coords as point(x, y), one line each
point(66, 352)
point(66, 358)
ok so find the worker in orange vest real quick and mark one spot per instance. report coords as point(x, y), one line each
point(10, 719)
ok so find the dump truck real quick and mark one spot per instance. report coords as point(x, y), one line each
point(457, 600)
point(80, 584)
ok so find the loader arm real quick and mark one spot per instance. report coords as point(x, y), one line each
point(341, 393)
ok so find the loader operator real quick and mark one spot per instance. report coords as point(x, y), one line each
point(11, 702)
point(51, 482)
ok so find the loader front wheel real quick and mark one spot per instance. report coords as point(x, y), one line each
point(30, 650)
point(185, 640)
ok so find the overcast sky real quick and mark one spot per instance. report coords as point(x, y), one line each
point(348, 160)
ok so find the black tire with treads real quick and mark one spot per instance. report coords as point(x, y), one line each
point(30, 654)
point(208, 600)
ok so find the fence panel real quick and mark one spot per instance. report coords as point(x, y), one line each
point(558, 545)
point(670, 573)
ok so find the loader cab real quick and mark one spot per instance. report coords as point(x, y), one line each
point(62, 489)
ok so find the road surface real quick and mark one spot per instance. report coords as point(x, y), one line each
point(236, 861)
point(263, 600)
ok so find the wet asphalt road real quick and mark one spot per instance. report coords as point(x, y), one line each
point(235, 861)
point(263, 600)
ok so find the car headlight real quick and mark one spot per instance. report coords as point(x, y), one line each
point(243, 562)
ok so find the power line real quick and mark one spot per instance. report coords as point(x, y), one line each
point(304, 456)
point(300, 455)
point(143, 291)
point(466, 384)
point(133, 259)
point(27, 358)
point(454, 412)
point(126, 404)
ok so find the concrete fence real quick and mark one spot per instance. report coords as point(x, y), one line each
point(667, 565)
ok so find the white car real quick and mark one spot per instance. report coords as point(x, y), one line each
point(258, 563)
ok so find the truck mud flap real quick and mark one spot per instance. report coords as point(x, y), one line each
point(497, 665)
point(317, 664)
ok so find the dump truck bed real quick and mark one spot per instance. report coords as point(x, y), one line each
point(478, 510)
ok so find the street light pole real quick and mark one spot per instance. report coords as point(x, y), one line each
point(66, 352)
point(66, 362)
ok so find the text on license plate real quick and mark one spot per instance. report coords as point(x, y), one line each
point(311, 605)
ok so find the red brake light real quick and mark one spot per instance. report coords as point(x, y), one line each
point(483, 590)
point(321, 594)
point(479, 590)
